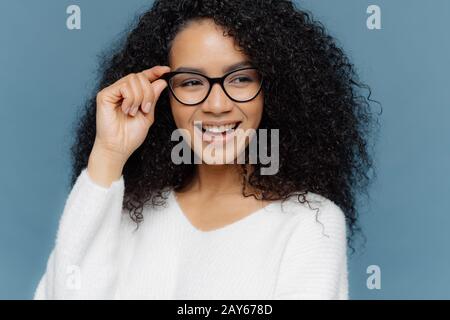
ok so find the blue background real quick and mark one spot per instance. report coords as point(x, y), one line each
point(47, 71)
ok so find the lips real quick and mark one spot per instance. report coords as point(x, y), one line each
point(218, 132)
point(216, 127)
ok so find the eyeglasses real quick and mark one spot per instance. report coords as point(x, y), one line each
point(192, 88)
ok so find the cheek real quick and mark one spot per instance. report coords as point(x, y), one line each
point(181, 115)
point(254, 113)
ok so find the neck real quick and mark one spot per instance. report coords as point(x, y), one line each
point(213, 180)
point(216, 179)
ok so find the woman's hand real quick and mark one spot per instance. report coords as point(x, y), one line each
point(125, 112)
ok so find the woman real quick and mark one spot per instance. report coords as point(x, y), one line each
point(215, 229)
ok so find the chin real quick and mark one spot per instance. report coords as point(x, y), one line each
point(218, 155)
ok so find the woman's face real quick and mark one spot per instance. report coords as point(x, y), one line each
point(202, 46)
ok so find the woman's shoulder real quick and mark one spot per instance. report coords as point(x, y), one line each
point(311, 208)
point(310, 201)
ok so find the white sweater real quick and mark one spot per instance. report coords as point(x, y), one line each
point(269, 254)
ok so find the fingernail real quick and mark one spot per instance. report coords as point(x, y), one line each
point(147, 107)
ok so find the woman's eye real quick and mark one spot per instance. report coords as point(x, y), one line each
point(191, 83)
point(241, 79)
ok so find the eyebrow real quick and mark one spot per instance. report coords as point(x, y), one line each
point(229, 68)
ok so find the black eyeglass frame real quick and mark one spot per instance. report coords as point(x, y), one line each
point(220, 80)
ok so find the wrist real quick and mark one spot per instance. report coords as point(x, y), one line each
point(103, 167)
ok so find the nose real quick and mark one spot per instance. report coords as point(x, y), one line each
point(217, 101)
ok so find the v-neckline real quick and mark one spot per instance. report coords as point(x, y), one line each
point(230, 226)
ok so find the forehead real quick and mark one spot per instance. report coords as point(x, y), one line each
point(202, 45)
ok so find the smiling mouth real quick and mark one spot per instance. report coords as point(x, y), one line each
point(222, 130)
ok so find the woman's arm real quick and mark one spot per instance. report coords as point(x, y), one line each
point(83, 264)
point(314, 264)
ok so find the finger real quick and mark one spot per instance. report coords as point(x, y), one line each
point(157, 87)
point(127, 94)
point(154, 73)
point(148, 93)
point(111, 95)
point(138, 94)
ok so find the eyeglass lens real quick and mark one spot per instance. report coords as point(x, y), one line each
point(241, 85)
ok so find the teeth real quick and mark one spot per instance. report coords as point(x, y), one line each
point(219, 129)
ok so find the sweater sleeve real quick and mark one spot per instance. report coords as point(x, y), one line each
point(314, 263)
point(82, 263)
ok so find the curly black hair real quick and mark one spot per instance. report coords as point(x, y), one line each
point(312, 95)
